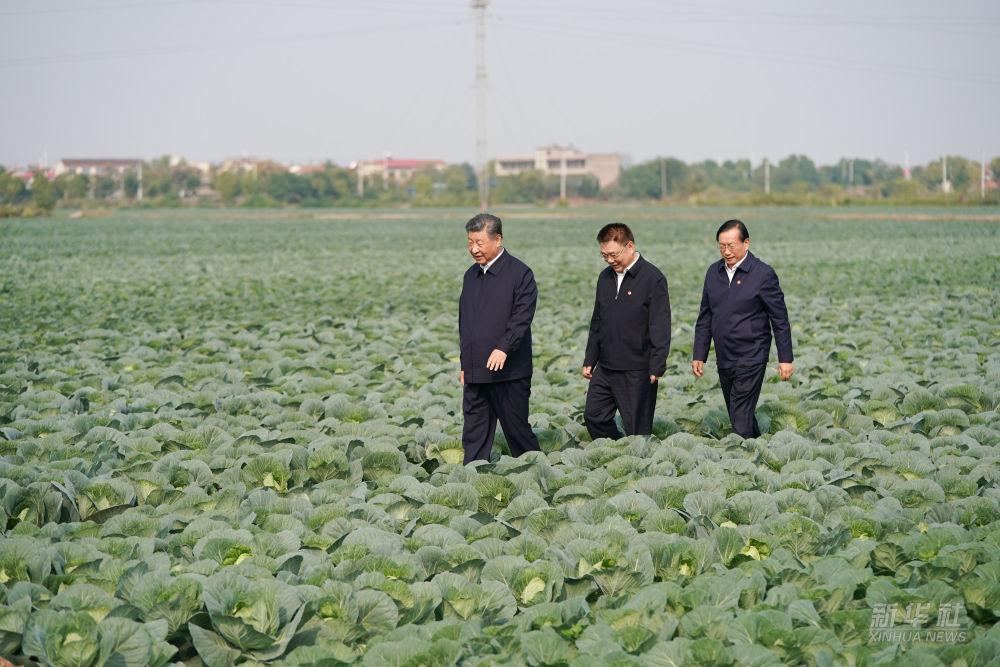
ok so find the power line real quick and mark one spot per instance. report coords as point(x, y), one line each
point(422, 8)
point(479, 6)
point(884, 20)
point(208, 46)
point(158, 4)
point(772, 56)
point(704, 13)
point(514, 100)
point(95, 8)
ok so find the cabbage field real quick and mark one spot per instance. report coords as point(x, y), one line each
point(232, 437)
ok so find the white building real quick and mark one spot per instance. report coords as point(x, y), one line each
point(95, 166)
point(553, 160)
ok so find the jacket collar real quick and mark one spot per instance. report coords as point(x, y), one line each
point(634, 271)
point(497, 265)
point(749, 262)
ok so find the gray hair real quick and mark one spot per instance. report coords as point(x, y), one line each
point(482, 221)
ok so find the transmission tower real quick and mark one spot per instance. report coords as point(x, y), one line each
point(484, 179)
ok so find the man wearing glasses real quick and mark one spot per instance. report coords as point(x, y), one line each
point(629, 338)
point(494, 329)
point(741, 304)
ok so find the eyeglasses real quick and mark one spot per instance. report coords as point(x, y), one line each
point(613, 255)
point(730, 246)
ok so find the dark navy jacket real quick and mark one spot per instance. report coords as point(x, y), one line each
point(495, 312)
point(630, 327)
point(739, 317)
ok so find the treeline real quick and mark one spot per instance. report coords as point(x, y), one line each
point(269, 185)
point(793, 180)
point(797, 179)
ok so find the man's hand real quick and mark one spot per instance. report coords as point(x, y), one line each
point(653, 379)
point(786, 370)
point(588, 372)
point(461, 377)
point(496, 360)
point(698, 368)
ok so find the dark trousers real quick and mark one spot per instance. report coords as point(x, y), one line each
point(741, 389)
point(484, 403)
point(629, 392)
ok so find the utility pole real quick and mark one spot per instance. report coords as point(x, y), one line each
point(982, 177)
point(906, 165)
point(479, 6)
point(767, 176)
point(850, 172)
point(944, 174)
point(562, 178)
point(663, 179)
point(138, 191)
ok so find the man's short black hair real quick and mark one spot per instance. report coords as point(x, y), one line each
point(615, 231)
point(733, 224)
point(481, 221)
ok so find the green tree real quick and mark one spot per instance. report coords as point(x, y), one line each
point(78, 186)
point(794, 170)
point(184, 179)
point(734, 175)
point(286, 187)
point(43, 191)
point(422, 183)
point(12, 189)
point(104, 186)
point(644, 181)
point(929, 176)
point(71, 187)
point(228, 185)
point(157, 181)
point(131, 184)
point(524, 188)
point(588, 187)
point(323, 185)
point(963, 173)
point(459, 179)
point(344, 181)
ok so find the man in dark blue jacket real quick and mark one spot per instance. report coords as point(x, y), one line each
point(629, 338)
point(494, 328)
point(741, 304)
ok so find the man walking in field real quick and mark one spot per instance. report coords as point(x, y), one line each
point(741, 304)
point(494, 327)
point(629, 338)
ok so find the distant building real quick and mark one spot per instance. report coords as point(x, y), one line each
point(95, 166)
point(306, 169)
point(203, 167)
point(551, 160)
point(394, 169)
point(27, 174)
point(250, 165)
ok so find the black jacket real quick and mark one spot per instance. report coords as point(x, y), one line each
point(630, 330)
point(495, 312)
point(739, 317)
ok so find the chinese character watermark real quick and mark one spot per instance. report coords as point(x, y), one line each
point(892, 623)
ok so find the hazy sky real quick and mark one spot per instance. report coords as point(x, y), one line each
point(309, 80)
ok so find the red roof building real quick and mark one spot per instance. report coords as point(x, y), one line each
point(394, 169)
